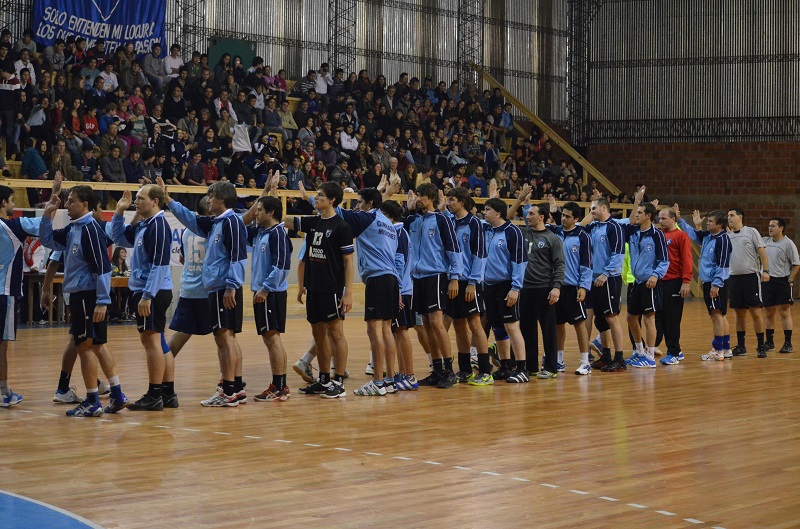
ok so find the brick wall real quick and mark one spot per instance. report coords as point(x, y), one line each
point(761, 178)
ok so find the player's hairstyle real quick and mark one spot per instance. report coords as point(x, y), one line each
point(462, 195)
point(719, 217)
point(671, 213)
point(272, 205)
point(370, 194)
point(649, 209)
point(224, 191)
point(154, 192)
point(202, 206)
point(739, 211)
point(5, 194)
point(540, 209)
point(574, 209)
point(429, 191)
point(333, 191)
point(498, 205)
point(392, 209)
point(600, 202)
point(86, 194)
point(781, 222)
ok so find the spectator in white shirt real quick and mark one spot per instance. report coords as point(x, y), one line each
point(324, 80)
point(173, 62)
point(110, 77)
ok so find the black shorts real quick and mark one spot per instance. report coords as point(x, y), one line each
point(222, 318)
point(323, 307)
point(605, 299)
point(157, 321)
point(459, 308)
point(569, 309)
point(81, 308)
point(745, 291)
point(8, 318)
point(406, 317)
point(192, 316)
point(271, 315)
point(430, 294)
point(497, 311)
point(643, 300)
point(381, 298)
point(720, 303)
point(777, 291)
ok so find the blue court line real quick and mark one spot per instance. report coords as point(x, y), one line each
point(19, 512)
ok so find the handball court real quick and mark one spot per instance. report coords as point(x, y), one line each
point(702, 444)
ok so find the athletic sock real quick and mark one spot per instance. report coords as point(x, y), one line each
point(324, 378)
point(760, 339)
point(585, 358)
point(276, 381)
point(448, 364)
point(154, 390)
point(726, 342)
point(740, 338)
point(484, 365)
point(3, 387)
point(438, 366)
point(651, 353)
point(606, 356)
point(63, 382)
point(338, 378)
point(307, 357)
point(168, 389)
point(93, 396)
point(717, 343)
point(228, 387)
point(238, 385)
point(787, 336)
point(770, 335)
point(282, 381)
point(463, 362)
point(560, 357)
point(619, 357)
point(116, 387)
point(521, 366)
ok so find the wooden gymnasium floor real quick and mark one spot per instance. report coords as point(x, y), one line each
point(695, 445)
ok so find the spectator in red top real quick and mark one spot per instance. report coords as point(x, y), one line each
point(210, 168)
point(675, 284)
point(90, 126)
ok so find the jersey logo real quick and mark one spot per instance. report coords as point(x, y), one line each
point(575, 248)
point(649, 247)
point(540, 244)
point(328, 233)
point(139, 243)
point(602, 238)
point(263, 247)
point(431, 232)
point(74, 248)
point(669, 241)
point(217, 238)
point(501, 243)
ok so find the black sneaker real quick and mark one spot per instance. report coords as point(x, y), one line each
point(769, 346)
point(334, 391)
point(317, 388)
point(170, 401)
point(147, 403)
point(739, 350)
point(493, 356)
point(599, 364)
point(787, 348)
point(462, 377)
point(447, 380)
point(501, 374)
point(762, 352)
point(614, 367)
point(431, 380)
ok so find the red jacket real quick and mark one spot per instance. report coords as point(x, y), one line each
point(679, 248)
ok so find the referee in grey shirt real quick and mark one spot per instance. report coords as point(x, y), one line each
point(784, 262)
point(748, 262)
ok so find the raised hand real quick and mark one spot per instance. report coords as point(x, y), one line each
point(56, 189)
point(411, 201)
point(52, 206)
point(639, 196)
point(697, 218)
point(553, 206)
point(493, 193)
point(301, 186)
point(677, 211)
point(383, 183)
point(124, 202)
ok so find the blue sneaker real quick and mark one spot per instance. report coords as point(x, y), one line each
point(596, 346)
point(680, 357)
point(116, 404)
point(409, 383)
point(643, 361)
point(633, 358)
point(670, 360)
point(10, 399)
point(561, 367)
point(86, 409)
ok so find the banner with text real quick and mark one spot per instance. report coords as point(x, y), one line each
point(142, 22)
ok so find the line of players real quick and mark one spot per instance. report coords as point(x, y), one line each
point(420, 261)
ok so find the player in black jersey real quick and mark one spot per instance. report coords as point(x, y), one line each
point(328, 279)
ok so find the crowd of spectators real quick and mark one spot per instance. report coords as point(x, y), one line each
point(119, 117)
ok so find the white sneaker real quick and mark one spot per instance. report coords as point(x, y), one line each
point(370, 369)
point(220, 400)
point(713, 355)
point(102, 389)
point(727, 353)
point(69, 397)
point(584, 369)
point(305, 371)
point(370, 389)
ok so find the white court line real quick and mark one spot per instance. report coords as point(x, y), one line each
point(282, 441)
point(104, 420)
point(252, 437)
point(607, 498)
point(401, 458)
point(581, 492)
point(343, 449)
point(373, 454)
point(50, 414)
point(521, 479)
point(135, 423)
point(222, 433)
point(491, 473)
point(666, 513)
point(431, 462)
point(462, 468)
point(164, 427)
point(548, 485)
point(638, 506)
point(191, 430)
point(24, 411)
point(312, 444)
point(692, 520)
